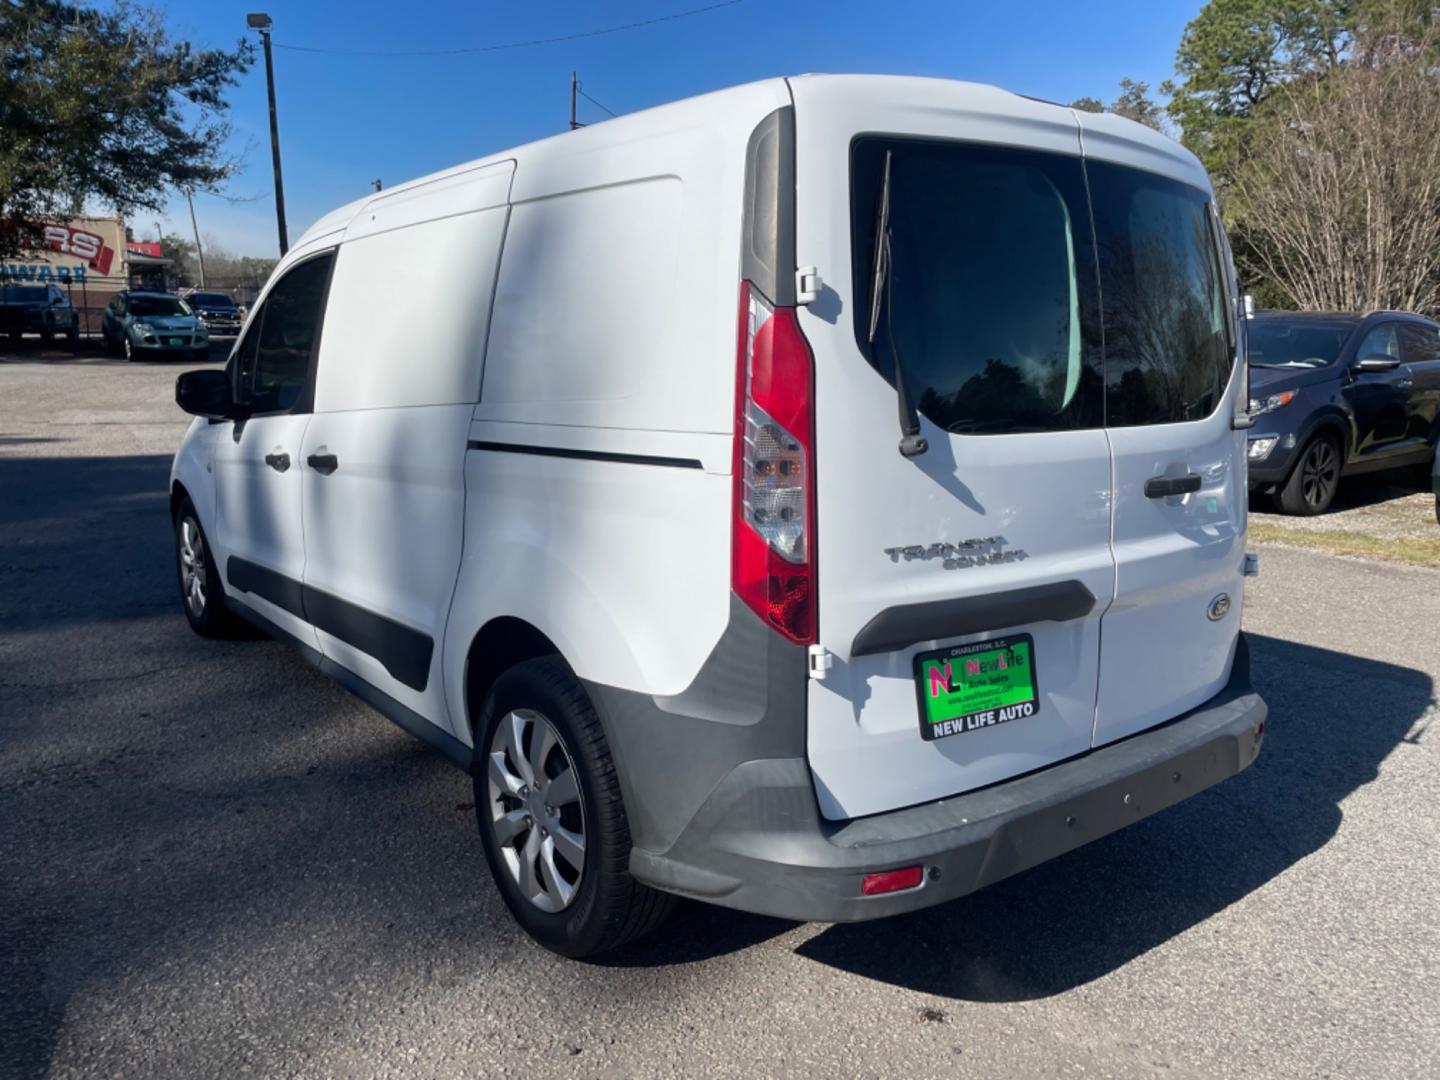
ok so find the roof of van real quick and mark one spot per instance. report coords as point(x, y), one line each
point(745, 105)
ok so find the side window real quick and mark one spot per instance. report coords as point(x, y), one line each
point(272, 368)
point(1381, 341)
point(1168, 350)
point(1421, 342)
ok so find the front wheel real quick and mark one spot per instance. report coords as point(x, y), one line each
point(200, 590)
point(1313, 482)
point(551, 815)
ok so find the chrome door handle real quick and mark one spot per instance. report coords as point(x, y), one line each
point(1162, 487)
point(324, 464)
point(1404, 384)
point(277, 461)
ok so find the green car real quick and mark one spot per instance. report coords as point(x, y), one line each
point(141, 325)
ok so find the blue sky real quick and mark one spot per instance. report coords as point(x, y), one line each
point(346, 120)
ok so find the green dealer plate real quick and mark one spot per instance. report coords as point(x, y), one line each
point(177, 341)
point(969, 687)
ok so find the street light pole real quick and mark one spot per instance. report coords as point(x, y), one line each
point(262, 22)
point(199, 251)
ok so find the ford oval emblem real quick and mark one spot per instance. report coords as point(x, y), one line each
point(1219, 607)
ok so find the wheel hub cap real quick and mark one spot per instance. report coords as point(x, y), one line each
point(536, 816)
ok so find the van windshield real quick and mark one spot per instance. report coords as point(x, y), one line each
point(995, 301)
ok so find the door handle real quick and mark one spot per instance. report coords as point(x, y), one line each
point(1405, 384)
point(1162, 487)
point(278, 461)
point(324, 464)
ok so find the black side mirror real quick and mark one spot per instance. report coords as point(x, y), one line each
point(205, 393)
point(1376, 362)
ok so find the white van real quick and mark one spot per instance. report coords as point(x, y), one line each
point(823, 498)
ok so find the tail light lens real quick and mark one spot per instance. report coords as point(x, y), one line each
point(773, 541)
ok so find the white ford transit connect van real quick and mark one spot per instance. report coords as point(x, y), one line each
point(824, 497)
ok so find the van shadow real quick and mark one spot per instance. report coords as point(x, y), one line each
point(1333, 720)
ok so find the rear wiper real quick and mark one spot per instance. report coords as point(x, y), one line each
point(912, 442)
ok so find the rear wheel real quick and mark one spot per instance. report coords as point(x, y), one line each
point(1313, 482)
point(551, 816)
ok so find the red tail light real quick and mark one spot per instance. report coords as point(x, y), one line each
point(773, 520)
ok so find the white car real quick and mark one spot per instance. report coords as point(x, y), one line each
point(823, 498)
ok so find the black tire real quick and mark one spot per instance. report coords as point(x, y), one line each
point(73, 334)
point(608, 907)
point(1313, 482)
point(210, 617)
point(128, 349)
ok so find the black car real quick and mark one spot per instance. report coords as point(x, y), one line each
point(1338, 395)
point(219, 313)
point(38, 309)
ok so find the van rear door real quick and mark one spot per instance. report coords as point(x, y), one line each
point(961, 590)
point(1171, 387)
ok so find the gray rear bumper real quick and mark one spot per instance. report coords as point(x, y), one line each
point(757, 841)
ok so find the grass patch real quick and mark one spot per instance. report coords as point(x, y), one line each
point(1417, 551)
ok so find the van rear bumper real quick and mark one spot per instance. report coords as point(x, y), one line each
point(759, 844)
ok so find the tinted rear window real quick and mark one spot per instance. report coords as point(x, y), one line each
point(1167, 340)
point(1301, 343)
point(992, 267)
point(994, 305)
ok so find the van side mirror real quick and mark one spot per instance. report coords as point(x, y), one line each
point(205, 393)
point(1376, 362)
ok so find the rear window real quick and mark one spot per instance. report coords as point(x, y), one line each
point(992, 264)
point(1168, 352)
point(994, 305)
point(1295, 343)
point(24, 294)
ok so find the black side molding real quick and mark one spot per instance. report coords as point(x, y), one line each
point(453, 749)
point(404, 652)
point(586, 455)
point(906, 625)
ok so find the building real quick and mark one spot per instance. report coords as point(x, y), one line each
point(91, 259)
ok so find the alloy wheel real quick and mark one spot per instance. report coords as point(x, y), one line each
point(1320, 473)
point(192, 566)
point(535, 811)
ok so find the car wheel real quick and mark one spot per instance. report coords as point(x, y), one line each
point(128, 348)
point(73, 334)
point(201, 593)
point(1314, 480)
point(551, 815)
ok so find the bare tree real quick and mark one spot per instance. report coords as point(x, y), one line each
point(1338, 201)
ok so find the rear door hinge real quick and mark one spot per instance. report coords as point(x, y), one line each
point(820, 661)
point(808, 284)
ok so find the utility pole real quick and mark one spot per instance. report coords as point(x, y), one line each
point(574, 88)
point(262, 22)
point(199, 251)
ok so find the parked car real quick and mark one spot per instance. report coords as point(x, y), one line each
point(38, 309)
point(1338, 395)
point(151, 325)
point(698, 615)
point(1435, 484)
point(219, 313)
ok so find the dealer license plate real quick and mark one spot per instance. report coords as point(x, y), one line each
point(969, 687)
point(177, 341)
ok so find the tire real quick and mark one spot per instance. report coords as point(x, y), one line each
point(601, 906)
point(1311, 486)
point(73, 334)
point(128, 349)
point(204, 607)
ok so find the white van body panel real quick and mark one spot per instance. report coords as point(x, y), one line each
point(1046, 495)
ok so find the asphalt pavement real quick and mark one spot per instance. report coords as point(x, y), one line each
point(215, 862)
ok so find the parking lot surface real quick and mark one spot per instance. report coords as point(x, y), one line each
point(216, 862)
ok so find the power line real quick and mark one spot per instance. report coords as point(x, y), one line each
point(517, 44)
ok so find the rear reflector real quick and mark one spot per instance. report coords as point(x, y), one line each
point(891, 881)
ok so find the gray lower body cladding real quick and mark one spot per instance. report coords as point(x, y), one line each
point(722, 804)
